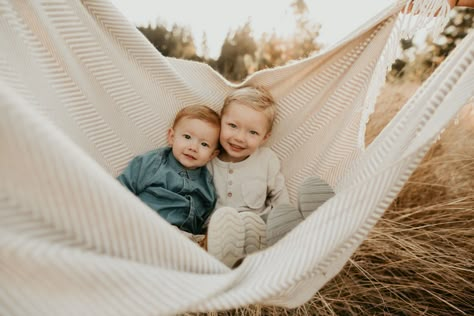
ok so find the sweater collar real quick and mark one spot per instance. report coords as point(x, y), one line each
point(240, 164)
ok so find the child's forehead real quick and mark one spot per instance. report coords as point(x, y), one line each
point(189, 121)
point(197, 126)
point(248, 117)
point(239, 108)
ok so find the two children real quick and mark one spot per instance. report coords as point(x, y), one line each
point(249, 195)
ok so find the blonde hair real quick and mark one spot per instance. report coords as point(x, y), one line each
point(256, 97)
point(199, 112)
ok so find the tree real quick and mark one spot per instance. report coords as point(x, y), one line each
point(205, 46)
point(459, 24)
point(304, 40)
point(177, 42)
point(238, 50)
point(419, 62)
point(241, 54)
point(274, 50)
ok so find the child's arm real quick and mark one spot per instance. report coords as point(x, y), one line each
point(277, 191)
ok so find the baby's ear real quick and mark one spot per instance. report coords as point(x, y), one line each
point(266, 137)
point(170, 136)
point(215, 153)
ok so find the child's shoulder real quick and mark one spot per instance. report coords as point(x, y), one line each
point(265, 152)
point(268, 157)
point(154, 154)
point(157, 151)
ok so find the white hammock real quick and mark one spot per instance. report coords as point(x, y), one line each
point(82, 92)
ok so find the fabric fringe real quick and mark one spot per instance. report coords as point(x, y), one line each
point(431, 15)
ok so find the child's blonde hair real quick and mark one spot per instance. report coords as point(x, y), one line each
point(199, 112)
point(256, 97)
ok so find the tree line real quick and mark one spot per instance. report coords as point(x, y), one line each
point(241, 54)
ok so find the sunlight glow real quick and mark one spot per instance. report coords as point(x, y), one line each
point(217, 17)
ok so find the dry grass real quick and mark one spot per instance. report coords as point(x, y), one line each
point(418, 260)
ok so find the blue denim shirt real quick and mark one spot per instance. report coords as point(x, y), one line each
point(185, 198)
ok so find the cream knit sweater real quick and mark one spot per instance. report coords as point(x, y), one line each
point(255, 184)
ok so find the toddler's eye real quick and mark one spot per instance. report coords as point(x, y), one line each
point(187, 136)
point(232, 125)
point(253, 132)
point(204, 144)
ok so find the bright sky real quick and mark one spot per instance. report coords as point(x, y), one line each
point(216, 17)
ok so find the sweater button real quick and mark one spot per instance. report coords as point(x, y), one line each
point(231, 171)
point(229, 194)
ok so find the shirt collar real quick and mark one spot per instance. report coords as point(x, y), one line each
point(237, 165)
point(192, 174)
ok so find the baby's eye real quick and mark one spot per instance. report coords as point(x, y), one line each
point(232, 125)
point(254, 132)
point(205, 144)
point(187, 136)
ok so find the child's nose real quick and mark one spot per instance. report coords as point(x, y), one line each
point(193, 146)
point(240, 136)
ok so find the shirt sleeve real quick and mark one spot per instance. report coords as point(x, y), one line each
point(138, 171)
point(277, 191)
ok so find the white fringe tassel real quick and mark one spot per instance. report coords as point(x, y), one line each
point(432, 15)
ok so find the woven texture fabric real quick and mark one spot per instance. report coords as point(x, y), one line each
point(82, 92)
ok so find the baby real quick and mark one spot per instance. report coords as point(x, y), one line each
point(174, 180)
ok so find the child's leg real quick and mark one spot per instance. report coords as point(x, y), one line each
point(280, 221)
point(312, 193)
point(255, 232)
point(225, 235)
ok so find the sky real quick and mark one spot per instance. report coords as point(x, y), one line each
point(216, 17)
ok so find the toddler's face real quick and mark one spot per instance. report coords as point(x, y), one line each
point(194, 142)
point(243, 130)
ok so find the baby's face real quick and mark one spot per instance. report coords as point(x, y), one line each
point(243, 130)
point(194, 142)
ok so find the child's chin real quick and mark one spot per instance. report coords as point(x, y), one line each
point(240, 155)
point(189, 166)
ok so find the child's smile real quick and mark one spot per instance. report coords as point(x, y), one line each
point(243, 130)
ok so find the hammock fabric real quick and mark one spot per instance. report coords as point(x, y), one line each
point(82, 92)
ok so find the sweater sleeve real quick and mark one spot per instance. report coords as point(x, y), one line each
point(277, 191)
point(136, 174)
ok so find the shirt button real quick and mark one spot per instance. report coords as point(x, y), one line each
point(230, 182)
point(229, 194)
point(231, 171)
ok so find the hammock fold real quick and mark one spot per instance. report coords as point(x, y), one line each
point(82, 92)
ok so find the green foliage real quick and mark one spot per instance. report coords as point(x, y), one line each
point(242, 54)
point(237, 53)
point(417, 63)
point(461, 21)
point(275, 50)
point(177, 42)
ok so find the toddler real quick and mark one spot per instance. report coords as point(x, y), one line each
point(253, 208)
point(247, 176)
